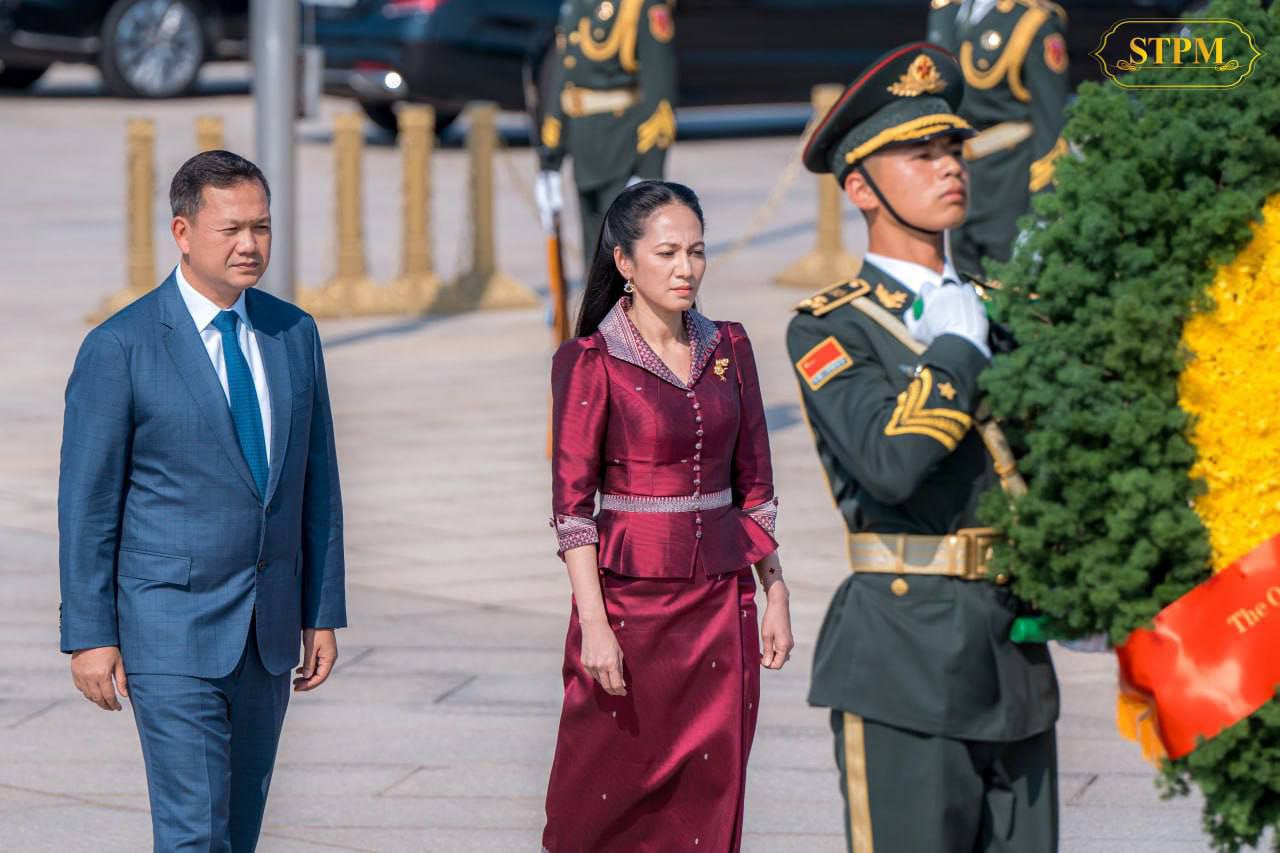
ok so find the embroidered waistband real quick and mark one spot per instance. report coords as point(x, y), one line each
point(677, 503)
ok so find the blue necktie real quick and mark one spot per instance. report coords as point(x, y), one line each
point(244, 400)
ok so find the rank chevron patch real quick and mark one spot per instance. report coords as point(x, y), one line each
point(945, 426)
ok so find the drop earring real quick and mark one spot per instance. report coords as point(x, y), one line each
point(628, 287)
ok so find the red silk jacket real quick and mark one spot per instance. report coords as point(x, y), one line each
point(683, 471)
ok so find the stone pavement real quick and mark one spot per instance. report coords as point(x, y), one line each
point(436, 731)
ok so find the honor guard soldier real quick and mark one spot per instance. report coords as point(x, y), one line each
point(1014, 57)
point(610, 104)
point(944, 728)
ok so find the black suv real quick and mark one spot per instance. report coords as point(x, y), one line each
point(449, 52)
point(144, 48)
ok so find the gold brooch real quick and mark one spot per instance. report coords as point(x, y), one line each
point(921, 77)
point(890, 300)
point(722, 365)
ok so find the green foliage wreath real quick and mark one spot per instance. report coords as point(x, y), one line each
point(1165, 189)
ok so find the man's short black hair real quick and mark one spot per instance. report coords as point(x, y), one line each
point(219, 169)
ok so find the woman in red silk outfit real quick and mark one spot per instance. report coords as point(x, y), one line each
point(657, 409)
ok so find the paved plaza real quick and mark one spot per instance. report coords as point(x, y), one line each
point(436, 731)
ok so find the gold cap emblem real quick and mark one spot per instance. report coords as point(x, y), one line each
point(921, 78)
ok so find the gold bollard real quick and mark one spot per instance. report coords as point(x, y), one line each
point(483, 286)
point(418, 284)
point(140, 174)
point(350, 291)
point(827, 263)
point(209, 134)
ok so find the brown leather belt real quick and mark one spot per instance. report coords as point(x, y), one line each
point(578, 102)
point(965, 554)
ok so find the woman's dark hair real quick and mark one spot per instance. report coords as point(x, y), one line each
point(624, 224)
point(220, 169)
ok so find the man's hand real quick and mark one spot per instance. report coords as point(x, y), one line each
point(549, 192)
point(319, 654)
point(99, 674)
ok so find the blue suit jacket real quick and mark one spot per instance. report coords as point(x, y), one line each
point(166, 548)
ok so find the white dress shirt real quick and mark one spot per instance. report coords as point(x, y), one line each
point(913, 276)
point(202, 312)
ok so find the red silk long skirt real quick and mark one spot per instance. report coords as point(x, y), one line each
point(664, 767)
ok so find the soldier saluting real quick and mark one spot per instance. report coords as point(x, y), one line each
point(610, 104)
point(1014, 57)
point(944, 728)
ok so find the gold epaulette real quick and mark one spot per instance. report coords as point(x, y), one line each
point(826, 301)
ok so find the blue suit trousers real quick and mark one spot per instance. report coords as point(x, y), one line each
point(209, 745)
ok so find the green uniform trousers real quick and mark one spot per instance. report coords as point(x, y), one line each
point(906, 792)
point(592, 206)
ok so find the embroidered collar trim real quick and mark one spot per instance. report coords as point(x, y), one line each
point(624, 342)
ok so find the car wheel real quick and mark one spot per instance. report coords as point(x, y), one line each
point(14, 78)
point(384, 116)
point(152, 48)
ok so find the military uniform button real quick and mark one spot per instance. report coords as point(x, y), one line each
point(899, 587)
point(262, 564)
point(1001, 579)
point(697, 405)
point(688, 393)
point(698, 433)
point(698, 419)
point(698, 535)
point(698, 446)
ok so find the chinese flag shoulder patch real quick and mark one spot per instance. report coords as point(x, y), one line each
point(823, 363)
point(661, 24)
point(1055, 53)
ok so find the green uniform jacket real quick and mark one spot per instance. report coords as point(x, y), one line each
point(612, 45)
point(892, 431)
point(1015, 69)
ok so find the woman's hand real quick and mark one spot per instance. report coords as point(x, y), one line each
point(602, 656)
point(775, 627)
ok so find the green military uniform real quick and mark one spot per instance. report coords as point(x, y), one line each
point(611, 100)
point(1015, 64)
point(943, 727)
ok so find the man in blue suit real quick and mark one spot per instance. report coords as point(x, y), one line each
point(199, 514)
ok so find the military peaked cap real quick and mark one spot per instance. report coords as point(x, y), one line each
point(908, 95)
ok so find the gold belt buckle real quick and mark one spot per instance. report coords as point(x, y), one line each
point(979, 545)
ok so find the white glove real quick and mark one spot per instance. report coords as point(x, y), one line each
point(956, 309)
point(548, 191)
point(916, 325)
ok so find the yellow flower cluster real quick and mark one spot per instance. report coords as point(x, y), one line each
point(1232, 388)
